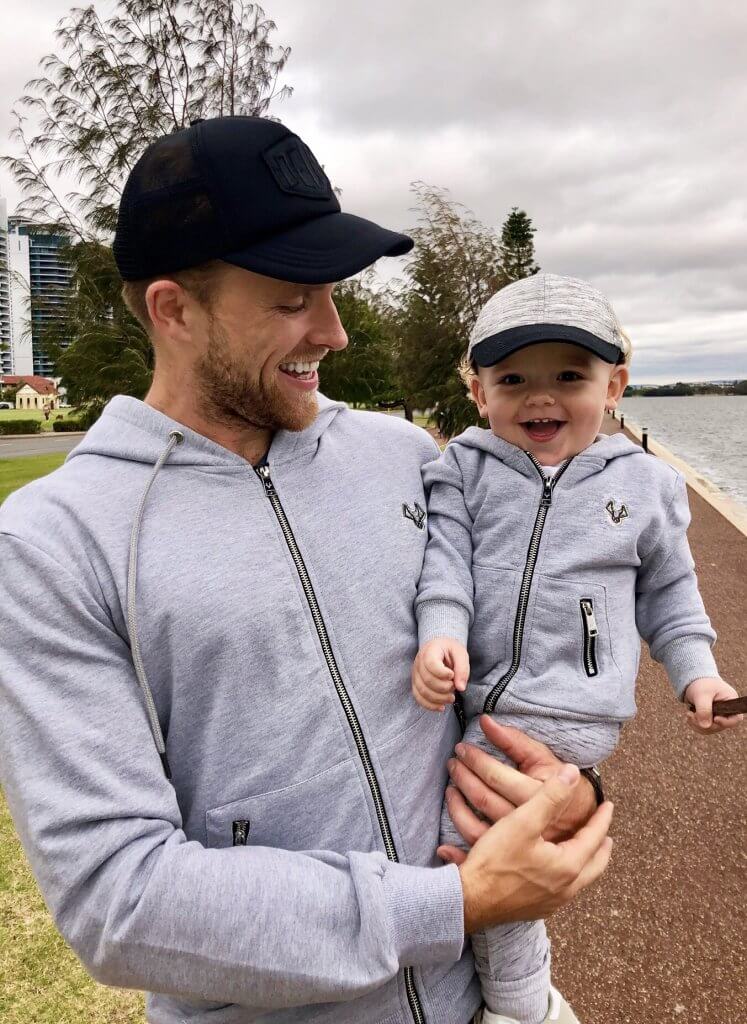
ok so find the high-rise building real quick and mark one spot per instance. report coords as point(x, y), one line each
point(39, 273)
point(33, 273)
point(6, 365)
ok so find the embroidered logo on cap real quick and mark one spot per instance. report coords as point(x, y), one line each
point(296, 170)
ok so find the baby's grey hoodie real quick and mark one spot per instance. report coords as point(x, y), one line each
point(550, 583)
point(303, 752)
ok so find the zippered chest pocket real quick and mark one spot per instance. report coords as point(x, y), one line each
point(568, 662)
point(591, 632)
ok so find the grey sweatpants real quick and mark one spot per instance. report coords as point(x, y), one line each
point(513, 960)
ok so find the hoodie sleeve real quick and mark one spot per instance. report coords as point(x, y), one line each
point(670, 614)
point(444, 603)
point(141, 905)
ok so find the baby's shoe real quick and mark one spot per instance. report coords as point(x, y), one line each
point(559, 1012)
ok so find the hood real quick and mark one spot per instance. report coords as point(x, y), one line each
point(131, 430)
point(592, 459)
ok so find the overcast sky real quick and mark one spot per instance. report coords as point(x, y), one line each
point(619, 128)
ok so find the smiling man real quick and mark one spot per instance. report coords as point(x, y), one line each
point(209, 747)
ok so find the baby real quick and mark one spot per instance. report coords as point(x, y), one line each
point(551, 549)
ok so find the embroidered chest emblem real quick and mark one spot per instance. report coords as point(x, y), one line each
point(616, 515)
point(417, 514)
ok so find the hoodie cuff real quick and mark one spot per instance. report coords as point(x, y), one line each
point(685, 659)
point(442, 618)
point(426, 913)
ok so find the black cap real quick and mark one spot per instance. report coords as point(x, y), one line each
point(248, 191)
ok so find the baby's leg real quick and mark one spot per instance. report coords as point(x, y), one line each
point(513, 960)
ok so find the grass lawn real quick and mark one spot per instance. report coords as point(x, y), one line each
point(41, 982)
point(36, 414)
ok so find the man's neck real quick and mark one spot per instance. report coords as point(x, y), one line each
point(251, 443)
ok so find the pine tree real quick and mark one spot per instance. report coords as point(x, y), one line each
point(517, 245)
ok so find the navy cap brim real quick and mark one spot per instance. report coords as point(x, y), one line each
point(493, 349)
point(321, 251)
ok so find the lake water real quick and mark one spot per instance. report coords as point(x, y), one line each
point(707, 431)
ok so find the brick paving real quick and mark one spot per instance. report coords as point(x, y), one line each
point(663, 936)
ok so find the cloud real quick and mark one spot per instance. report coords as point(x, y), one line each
point(619, 129)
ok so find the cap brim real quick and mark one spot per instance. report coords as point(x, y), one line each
point(493, 349)
point(322, 251)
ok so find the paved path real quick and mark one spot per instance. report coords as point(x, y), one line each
point(663, 935)
point(16, 447)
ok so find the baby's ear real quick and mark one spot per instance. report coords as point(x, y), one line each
point(618, 382)
point(478, 395)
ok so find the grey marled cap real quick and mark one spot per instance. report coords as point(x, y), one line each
point(546, 307)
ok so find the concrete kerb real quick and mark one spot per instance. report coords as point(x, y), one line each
point(730, 509)
point(45, 434)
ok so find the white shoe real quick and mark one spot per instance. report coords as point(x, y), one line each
point(558, 1012)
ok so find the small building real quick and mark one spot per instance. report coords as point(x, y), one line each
point(33, 392)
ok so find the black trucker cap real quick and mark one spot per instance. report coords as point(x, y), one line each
point(248, 191)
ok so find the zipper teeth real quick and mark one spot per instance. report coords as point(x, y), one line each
point(589, 646)
point(526, 584)
point(386, 833)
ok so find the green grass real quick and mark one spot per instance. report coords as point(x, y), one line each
point(41, 981)
point(14, 473)
point(36, 414)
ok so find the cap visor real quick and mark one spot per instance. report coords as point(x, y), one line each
point(322, 251)
point(492, 350)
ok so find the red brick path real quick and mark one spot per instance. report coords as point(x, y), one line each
point(663, 936)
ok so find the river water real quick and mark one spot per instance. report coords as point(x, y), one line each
point(707, 431)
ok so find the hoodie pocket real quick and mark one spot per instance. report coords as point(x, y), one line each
point(568, 662)
point(496, 595)
point(326, 812)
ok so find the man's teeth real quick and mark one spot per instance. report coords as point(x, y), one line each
point(300, 367)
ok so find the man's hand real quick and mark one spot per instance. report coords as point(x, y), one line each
point(513, 874)
point(702, 693)
point(440, 668)
point(495, 789)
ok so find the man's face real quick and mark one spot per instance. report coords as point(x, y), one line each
point(548, 399)
point(263, 341)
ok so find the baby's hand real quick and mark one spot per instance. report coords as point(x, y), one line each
point(702, 693)
point(442, 666)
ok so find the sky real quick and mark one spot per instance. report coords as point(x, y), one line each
point(619, 129)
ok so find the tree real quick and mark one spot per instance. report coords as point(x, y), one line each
point(152, 68)
point(453, 270)
point(364, 372)
point(517, 245)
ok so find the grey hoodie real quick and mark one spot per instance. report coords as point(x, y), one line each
point(287, 871)
point(553, 581)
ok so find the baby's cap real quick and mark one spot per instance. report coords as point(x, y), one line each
point(546, 307)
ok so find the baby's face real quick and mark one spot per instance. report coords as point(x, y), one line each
point(548, 399)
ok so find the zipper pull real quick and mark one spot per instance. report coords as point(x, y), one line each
point(546, 490)
point(588, 609)
point(240, 832)
point(263, 472)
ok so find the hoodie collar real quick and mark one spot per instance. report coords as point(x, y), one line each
point(131, 430)
point(591, 460)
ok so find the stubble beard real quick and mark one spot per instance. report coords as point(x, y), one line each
point(231, 394)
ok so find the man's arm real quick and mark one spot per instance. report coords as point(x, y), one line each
point(141, 905)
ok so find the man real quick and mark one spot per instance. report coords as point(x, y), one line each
point(223, 575)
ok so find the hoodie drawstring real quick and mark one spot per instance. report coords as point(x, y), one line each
point(175, 438)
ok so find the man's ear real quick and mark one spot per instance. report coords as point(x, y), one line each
point(478, 396)
point(166, 301)
point(617, 384)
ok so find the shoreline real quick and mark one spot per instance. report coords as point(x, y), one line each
point(731, 509)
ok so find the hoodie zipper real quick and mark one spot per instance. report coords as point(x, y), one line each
point(590, 636)
point(263, 472)
point(548, 486)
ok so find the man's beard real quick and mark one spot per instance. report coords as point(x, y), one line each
point(230, 394)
